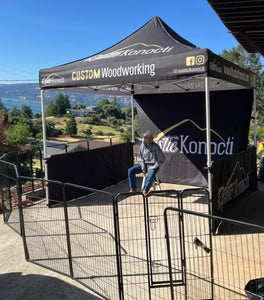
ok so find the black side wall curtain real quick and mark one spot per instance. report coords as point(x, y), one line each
point(179, 124)
point(97, 168)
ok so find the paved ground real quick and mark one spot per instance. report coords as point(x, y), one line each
point(20, 279)
point(23, 280)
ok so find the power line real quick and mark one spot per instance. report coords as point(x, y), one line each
point(16, 69)
point(18, 79)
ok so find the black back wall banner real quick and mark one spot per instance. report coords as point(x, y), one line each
point(179, 123)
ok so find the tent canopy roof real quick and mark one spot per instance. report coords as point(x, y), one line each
point(153, 59)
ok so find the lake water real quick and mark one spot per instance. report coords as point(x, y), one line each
point(33, 104)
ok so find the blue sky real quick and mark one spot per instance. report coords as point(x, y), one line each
point(40, 34)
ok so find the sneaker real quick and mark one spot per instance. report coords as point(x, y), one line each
point(144, 193)
point(133, 191)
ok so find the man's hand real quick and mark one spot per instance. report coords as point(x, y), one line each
point(144, 171)
point(151, 168)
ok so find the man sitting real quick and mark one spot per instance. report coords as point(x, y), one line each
point(150, 158)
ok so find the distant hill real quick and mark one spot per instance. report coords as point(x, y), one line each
point(31, 91)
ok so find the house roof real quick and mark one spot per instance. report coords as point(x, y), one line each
point(245, 21)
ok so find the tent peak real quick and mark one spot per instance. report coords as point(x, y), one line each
point(157, 22)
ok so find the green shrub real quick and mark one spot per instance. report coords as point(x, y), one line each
point(99, 132)
point(87, 132)
point(259, 132)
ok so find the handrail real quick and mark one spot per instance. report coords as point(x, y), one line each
point(10, 164)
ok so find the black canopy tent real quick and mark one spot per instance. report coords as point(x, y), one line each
point(152, 60)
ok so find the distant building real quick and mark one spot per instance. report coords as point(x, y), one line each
point(84, 112)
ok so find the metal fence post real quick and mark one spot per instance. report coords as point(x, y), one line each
point(118, 250)
point(65, 207)
point(21, 216)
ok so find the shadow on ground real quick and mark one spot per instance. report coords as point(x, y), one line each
point(17, 286)
point(249, 209)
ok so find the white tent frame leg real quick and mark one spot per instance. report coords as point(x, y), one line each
point(132, 121)
point(254, 117)
point(44, 136)
point(208, 135)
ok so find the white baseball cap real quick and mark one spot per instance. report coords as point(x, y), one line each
point(148, 133)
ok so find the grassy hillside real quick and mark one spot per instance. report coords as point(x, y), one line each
point(104, 130)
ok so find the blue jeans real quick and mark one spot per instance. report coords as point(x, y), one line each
point(136, 170)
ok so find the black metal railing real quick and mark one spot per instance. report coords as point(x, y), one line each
point(218, 265)
point(161, 246)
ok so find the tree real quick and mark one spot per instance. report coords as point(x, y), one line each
point(128, 112)
point(111, 109)
point(37, 116)
point(50, 109)
point(252, 62)
point(71, 126)
point(18, 134)
point(103, 103)
point(26, 111)
point(95, 119)
point(15, 111)
point(87, 132)
point(2, 106)
point(4, 122)
point(62, 103)
point(101, 107)
point(127, 134)
point(3, 127)
point(37, 128)
point(50, 129)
